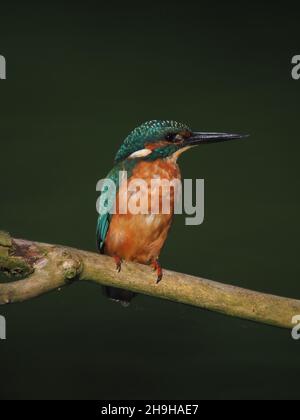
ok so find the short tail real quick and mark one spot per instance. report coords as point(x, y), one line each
point(124, 297)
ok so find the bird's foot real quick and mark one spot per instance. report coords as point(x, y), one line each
point(118, 262)
point(157, 267)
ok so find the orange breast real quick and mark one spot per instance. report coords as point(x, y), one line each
point(140, 237)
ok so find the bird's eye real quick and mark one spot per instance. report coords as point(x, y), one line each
point(170, 136)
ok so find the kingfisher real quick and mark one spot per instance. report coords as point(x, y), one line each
point(150, 151)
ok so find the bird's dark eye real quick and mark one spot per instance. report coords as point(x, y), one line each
point(170, 136)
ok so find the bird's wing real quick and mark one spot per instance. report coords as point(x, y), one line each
point(104, 212)
point(102, 229)
point(105, 215)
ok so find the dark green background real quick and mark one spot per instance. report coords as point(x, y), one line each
point(79, 78)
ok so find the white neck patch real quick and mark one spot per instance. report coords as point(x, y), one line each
point(140, 153)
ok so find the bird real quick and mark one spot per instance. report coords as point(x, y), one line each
point(150, 151)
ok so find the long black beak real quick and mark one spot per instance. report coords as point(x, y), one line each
point(204, 138)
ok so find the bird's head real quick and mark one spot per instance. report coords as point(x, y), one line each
point(161, 139)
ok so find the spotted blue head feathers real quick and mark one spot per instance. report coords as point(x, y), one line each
point(149, 132)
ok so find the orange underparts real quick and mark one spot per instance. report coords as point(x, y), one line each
point(140, 237)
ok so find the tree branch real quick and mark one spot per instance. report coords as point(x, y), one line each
point(38, 268)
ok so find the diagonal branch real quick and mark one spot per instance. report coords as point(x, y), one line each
point(38, 268)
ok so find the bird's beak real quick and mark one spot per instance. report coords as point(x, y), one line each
point(204, 138)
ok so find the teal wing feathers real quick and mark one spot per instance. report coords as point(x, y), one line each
point(106, 205)
point(102, 229)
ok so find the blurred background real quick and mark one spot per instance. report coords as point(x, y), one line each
point(80, 77)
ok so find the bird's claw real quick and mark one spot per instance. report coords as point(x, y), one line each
point(157, 267)
point(118, 262)
point(159, 278)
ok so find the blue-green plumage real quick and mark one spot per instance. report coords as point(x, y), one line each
point(151, 132)
point(104, 210)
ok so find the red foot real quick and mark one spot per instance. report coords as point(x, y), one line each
point(118, 262)
point(157, 267)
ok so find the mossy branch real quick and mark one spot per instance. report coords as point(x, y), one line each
point(40, 268)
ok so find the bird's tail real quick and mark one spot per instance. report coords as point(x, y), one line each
point(121, 296)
